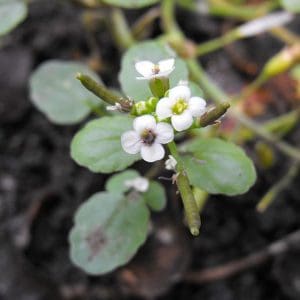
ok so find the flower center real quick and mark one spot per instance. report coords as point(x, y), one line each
point(155, 69)
point(179, 107)
point(148, 137)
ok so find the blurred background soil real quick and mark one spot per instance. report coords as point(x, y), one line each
point(41, 187)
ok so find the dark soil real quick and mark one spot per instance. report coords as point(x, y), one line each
point(41, 187)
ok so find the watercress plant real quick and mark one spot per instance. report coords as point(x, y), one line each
point(159, 104)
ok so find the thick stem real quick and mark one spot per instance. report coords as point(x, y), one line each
point(278, 187)
point(120, 29)
point(183, 184)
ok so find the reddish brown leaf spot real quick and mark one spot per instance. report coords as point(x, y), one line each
point(96, 240)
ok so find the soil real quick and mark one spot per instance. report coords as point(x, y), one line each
point(41, 187)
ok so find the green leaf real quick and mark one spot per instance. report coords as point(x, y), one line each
point(291, 5)
point(153, 51)
point(59, 95)
point(195, 90)
point(12, 13)
point(130, 3)
point(155, 196)
point(108, 230)
point(98, 145)
point(219, 167)
point(116, 183)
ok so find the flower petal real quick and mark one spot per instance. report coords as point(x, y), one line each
point(152, 153)
point(164, 108)
point(166, 66)
point(197, 106)
point(180, 92)
point(143, 122)
point(145, 68)
point(164, 133)
point(131, 142)
point(144, 78)
point(183, 121)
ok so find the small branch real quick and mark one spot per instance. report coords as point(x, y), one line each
point(234, 267)
point(103, 93)
point(142, 24)
point(285, 35)
point(217, 43)
point(120, 29)
point(89, 3)
point(284, 123)
point(278, 187)
point(241, 12)
point(219, 96)
point(168, 13)
point(274, 140)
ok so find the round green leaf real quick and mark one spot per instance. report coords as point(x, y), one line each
point(98, 145)
point(291, 5)
point(12, 13)
point(195, 90)
point(130, 3)
point(219, 167)
point(153, 51)
point(59, 95)
point(116, 183)
point(155, 196)
point(108, 230)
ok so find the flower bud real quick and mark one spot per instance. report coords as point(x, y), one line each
point(144, 107)
point(282, 62)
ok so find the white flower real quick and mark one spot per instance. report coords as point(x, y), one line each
point(181, 107)
point(149, 70)
point(170, 163)
point(147, 138)
point(140, 184)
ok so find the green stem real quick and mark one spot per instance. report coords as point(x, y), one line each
point(120, 29)
point(103, 93)
point(219, 96)
point(168, 13)
point(217, 43)
point(183, 184)
point(223, 8)
point(139, 28)
point(280, 125)
point(284, 123)
point(251, 88)
point(279, 186)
